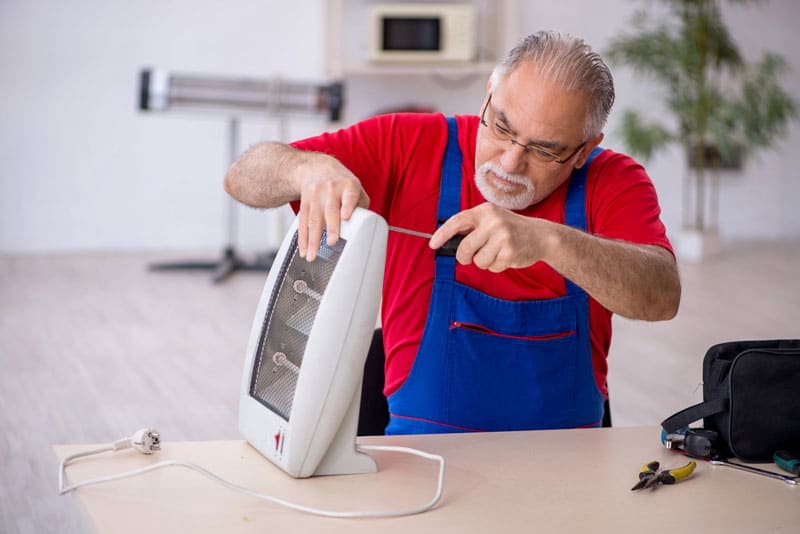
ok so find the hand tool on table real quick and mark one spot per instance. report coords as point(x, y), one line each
point(696, 442)
point(649, 475)
point(755, 470)
point(448, 249)
point(788, 461)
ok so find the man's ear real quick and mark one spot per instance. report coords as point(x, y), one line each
point(590, 145)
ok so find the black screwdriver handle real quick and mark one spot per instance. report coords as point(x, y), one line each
point(450, 247)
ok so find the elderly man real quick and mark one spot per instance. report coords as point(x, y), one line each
point(559, 234)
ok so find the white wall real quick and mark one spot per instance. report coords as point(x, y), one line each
point(762, 201)
point(757, 202)
point(83, 169)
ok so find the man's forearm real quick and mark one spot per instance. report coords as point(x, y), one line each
point(635, 281)
point(265, 175)
point(272, 174)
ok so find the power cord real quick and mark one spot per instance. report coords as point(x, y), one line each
point(148, 441)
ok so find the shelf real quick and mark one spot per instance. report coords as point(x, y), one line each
point(418, 69)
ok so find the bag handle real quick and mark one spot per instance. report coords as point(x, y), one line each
point(694, 413)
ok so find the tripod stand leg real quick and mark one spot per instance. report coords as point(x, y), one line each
point(230, 262)
point(226, 267)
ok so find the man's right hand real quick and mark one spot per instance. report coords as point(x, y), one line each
point(271, 174)
point(329, 193)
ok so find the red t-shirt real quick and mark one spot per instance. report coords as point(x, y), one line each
point(398, 159)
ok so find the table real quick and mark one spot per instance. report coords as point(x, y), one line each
point(540, 481)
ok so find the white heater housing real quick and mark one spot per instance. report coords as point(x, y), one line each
point(304, 366)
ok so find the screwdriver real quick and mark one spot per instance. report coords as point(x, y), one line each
point(787, 461)
point(448, 249)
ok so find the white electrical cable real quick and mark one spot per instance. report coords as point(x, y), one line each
point(129, 442)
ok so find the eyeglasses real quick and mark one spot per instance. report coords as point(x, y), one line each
point(502, 133)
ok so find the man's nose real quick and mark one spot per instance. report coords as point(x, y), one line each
point(513, 158)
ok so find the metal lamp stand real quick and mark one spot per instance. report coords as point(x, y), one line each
point(230, 261)
point(163, 91)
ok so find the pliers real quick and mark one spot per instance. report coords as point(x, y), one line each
point(649, 475)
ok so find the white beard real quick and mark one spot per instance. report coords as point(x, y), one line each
point(505, 199)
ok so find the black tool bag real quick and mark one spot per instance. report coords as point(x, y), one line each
point(751, 393)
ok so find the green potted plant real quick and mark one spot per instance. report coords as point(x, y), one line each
point(723, 108)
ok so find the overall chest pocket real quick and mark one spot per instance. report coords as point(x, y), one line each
point(511, 365)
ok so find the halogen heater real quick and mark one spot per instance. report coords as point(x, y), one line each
point(304, 365)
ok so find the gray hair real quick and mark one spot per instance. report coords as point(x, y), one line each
point(572, 64)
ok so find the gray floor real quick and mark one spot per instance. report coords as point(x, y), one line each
point(93, 347)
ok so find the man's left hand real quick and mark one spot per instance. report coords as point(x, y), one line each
point(495, 239)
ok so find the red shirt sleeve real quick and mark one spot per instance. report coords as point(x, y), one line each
point(622, 202)
point(388, 155)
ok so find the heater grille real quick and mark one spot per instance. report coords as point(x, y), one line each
point(287, 324)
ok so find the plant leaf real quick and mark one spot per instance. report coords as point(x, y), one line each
point(643, 139)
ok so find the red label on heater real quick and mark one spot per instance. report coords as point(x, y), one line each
point(277, 440)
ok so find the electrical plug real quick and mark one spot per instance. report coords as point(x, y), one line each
point(146, 440)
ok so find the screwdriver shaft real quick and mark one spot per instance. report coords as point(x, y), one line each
point(448, 249)
point(410, 232)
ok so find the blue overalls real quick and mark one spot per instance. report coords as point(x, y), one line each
point(488, 364)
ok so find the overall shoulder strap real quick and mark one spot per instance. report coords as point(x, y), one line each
point(449, 195)
point(575, 207)
point(450, 180)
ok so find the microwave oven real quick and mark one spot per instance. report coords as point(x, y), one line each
point(423, 32)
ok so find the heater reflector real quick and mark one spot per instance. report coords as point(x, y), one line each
point(287, 324)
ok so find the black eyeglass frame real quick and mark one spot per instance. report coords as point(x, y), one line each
point(530, 148)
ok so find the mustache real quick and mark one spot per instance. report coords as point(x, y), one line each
point(504, 194)
point(500, 173)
